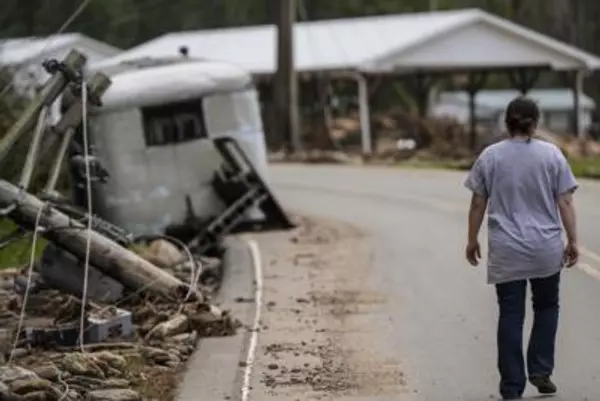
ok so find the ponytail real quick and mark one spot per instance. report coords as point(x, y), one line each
point(522, 116)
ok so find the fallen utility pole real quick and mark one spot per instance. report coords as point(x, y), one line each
point(60, 228)
point(106, 255)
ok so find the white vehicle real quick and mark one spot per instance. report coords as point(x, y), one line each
point(153, 134)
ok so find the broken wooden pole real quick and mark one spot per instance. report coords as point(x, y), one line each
point(106, 255)
point(63, 132)
point(98, 85)
point(65, 72)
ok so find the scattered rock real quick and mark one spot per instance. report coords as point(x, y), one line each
point(116, 362)
point(79, 364)
point(162, 253)
point(186, 338)
point(47, 371)
point(174, 326)
point(25, 386)
point(9, 374)
point(19, 353)
point(7, 395)
point(113, 395)
point(37, 396)
point(115, 384)
point(143, 366)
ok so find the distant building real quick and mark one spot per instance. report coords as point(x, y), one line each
point(556, 106)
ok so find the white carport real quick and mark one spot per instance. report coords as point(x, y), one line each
point(470, 42)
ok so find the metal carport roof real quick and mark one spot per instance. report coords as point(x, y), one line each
point(459, 39)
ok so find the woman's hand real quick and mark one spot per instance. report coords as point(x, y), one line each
point(473, 253)
point(571, 254)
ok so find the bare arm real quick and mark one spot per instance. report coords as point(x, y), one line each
point(566, 208)
point(476, 214)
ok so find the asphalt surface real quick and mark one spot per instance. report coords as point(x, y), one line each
point(442, 313)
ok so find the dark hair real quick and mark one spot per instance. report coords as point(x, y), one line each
point(522, 116)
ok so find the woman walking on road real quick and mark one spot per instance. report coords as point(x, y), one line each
point(527, 186)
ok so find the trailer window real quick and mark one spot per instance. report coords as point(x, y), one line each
point(173, 123)
point(233, 113)
point(248, 110)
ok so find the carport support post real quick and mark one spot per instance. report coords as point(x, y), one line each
point(476, 81)
point(422, 91)
point(365, 114)
point(578, 78)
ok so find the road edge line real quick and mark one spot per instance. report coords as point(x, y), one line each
point(258, 295)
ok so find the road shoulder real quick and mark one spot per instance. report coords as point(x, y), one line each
point(321, 321)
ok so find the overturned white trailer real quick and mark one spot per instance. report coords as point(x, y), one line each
point(156, 132)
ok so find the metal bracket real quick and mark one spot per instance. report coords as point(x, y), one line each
point(53, 66)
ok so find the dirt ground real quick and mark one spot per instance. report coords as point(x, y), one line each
point(318, 339)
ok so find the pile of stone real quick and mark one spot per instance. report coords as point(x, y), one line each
point(139, 361)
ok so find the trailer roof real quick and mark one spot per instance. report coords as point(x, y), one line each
point(148, 83)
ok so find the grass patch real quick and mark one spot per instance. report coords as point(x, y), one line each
point(17, 253)
point(460, 165)
point(588, 167)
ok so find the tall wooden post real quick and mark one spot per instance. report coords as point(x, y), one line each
point(286, 83)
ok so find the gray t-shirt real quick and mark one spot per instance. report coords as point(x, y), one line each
point(522, 182)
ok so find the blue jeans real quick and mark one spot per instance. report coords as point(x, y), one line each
point(540, 353)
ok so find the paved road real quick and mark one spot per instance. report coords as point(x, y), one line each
point(442, 314)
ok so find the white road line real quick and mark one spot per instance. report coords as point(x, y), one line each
point(589, 270)
point(589, 254)
point(258, 295)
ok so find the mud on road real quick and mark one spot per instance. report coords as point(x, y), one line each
point(319, 327)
